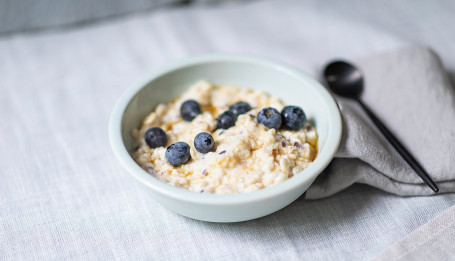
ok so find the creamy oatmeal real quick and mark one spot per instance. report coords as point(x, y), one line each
point(246, 157)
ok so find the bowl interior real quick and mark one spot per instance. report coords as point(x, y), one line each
point(292, 89)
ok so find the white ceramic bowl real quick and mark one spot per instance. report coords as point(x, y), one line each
point(169, 82)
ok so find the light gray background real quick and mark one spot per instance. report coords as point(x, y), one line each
point(31, 14)
point(64, 196)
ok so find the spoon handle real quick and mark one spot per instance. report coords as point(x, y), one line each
point(400, 148)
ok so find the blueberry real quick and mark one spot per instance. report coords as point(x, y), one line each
point(270, 118)
point(204, 143)
point(190, 109)
point(240, 108)
point(293, 117)
point(155, 137)
point(225, 120)
point(178, 153)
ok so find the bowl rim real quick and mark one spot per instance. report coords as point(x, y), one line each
point(315, 168)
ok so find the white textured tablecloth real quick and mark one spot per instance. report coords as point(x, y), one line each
point(433, 241)
point(64, 196)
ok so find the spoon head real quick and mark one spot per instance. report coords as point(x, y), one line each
point(344, 79)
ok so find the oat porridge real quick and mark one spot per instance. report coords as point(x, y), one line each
point(224, 140)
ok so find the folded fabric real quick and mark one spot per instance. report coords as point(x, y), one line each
point(433, 241)
point(410, 92)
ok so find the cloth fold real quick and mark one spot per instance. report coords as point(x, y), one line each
point(433, 241)
point(411, 93)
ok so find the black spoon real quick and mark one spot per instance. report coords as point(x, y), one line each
point(346, 80)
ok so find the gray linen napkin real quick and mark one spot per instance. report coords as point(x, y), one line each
point(411, 93)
